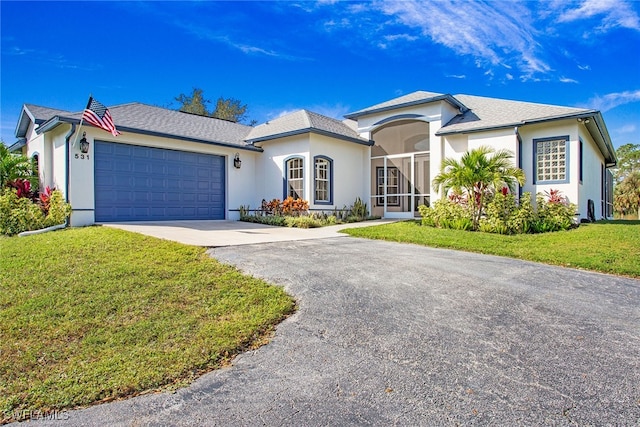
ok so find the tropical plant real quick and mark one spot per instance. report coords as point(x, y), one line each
point(359, 209)
point(15, 166)
point(447, 213)
point(478, 174)
point(18, 213)
point(554, 213)
point(627, 194)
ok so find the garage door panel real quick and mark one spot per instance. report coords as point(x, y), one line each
point(143, 183)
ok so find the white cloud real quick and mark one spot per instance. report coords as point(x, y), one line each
point(492, 32)
point(456, 76)
point(567, 80)
point(612, 100)
point(614, 13)
point(630, 128)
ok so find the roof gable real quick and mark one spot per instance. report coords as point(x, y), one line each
point(34, 114)
point(300, 122)
point(414, 98)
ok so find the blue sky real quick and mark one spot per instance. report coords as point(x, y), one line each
point(327, 56)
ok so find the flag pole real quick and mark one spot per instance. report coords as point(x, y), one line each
point(75, 142)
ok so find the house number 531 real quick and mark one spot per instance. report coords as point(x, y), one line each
point(82, 156)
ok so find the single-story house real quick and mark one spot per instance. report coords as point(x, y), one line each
point(171, 165)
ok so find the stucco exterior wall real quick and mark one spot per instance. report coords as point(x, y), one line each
point(591, 185)
point(349, 173)
point(269, 177)
point(570, 189)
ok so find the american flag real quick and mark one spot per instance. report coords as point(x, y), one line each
point(99, 115)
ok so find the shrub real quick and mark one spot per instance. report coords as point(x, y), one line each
point(302, 222)
point(503, 215)
point(276, 220)
point(359, 210)
point(18, 214)
point(58, 210)
point(555, 213)
point(446, 213)
point(295, 207)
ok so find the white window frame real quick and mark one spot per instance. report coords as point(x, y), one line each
point(294, 185)
point(323, 177)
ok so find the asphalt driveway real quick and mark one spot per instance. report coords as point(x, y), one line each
point(396, 334)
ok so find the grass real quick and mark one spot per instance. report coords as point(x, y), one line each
point(609, 247)
point(93, 314)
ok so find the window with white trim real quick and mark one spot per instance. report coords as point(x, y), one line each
point(295, 178)
point(322, 180)
point(392, 186)
point(551, 159)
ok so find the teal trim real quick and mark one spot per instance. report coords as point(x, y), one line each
point(567, 162)
point(285, 181)
point(315, 177)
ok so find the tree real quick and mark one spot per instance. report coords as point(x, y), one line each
point(628, 161)
point(626, 194)
point(477, 174)
point(230, 109)
point(194, 104)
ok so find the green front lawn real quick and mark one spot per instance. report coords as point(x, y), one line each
point(92, 314)
point(609, 247)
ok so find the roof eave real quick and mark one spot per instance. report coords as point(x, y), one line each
point(57, 120)
point(582, 114)
point(308, 130)
point(13, 148)
point(598, 131)
point(446, 97)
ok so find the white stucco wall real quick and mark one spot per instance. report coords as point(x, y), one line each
point(350, 178)
point(591, 185)
point(572, 188)
point(350, 172)
point(270, 167)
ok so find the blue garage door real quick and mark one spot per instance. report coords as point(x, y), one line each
point(135, 183)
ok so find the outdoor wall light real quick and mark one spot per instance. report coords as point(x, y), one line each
point(237, 162)
point(84, 144)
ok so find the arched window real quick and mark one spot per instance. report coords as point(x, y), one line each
point(294, 173)
point(323, 180)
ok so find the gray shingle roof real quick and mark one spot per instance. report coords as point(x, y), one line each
point(414, 98)
point(489, 113)
point(303, 121)
point(41, 114)
point(142, 118)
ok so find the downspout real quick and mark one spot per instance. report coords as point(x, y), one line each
point(67, 137)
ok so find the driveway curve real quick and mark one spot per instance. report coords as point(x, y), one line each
point(397, 334)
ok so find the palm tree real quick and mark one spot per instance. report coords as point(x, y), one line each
point(480, 171)
point(14, 166)
point(627, 194)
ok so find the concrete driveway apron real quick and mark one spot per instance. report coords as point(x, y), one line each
point(396, 334)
